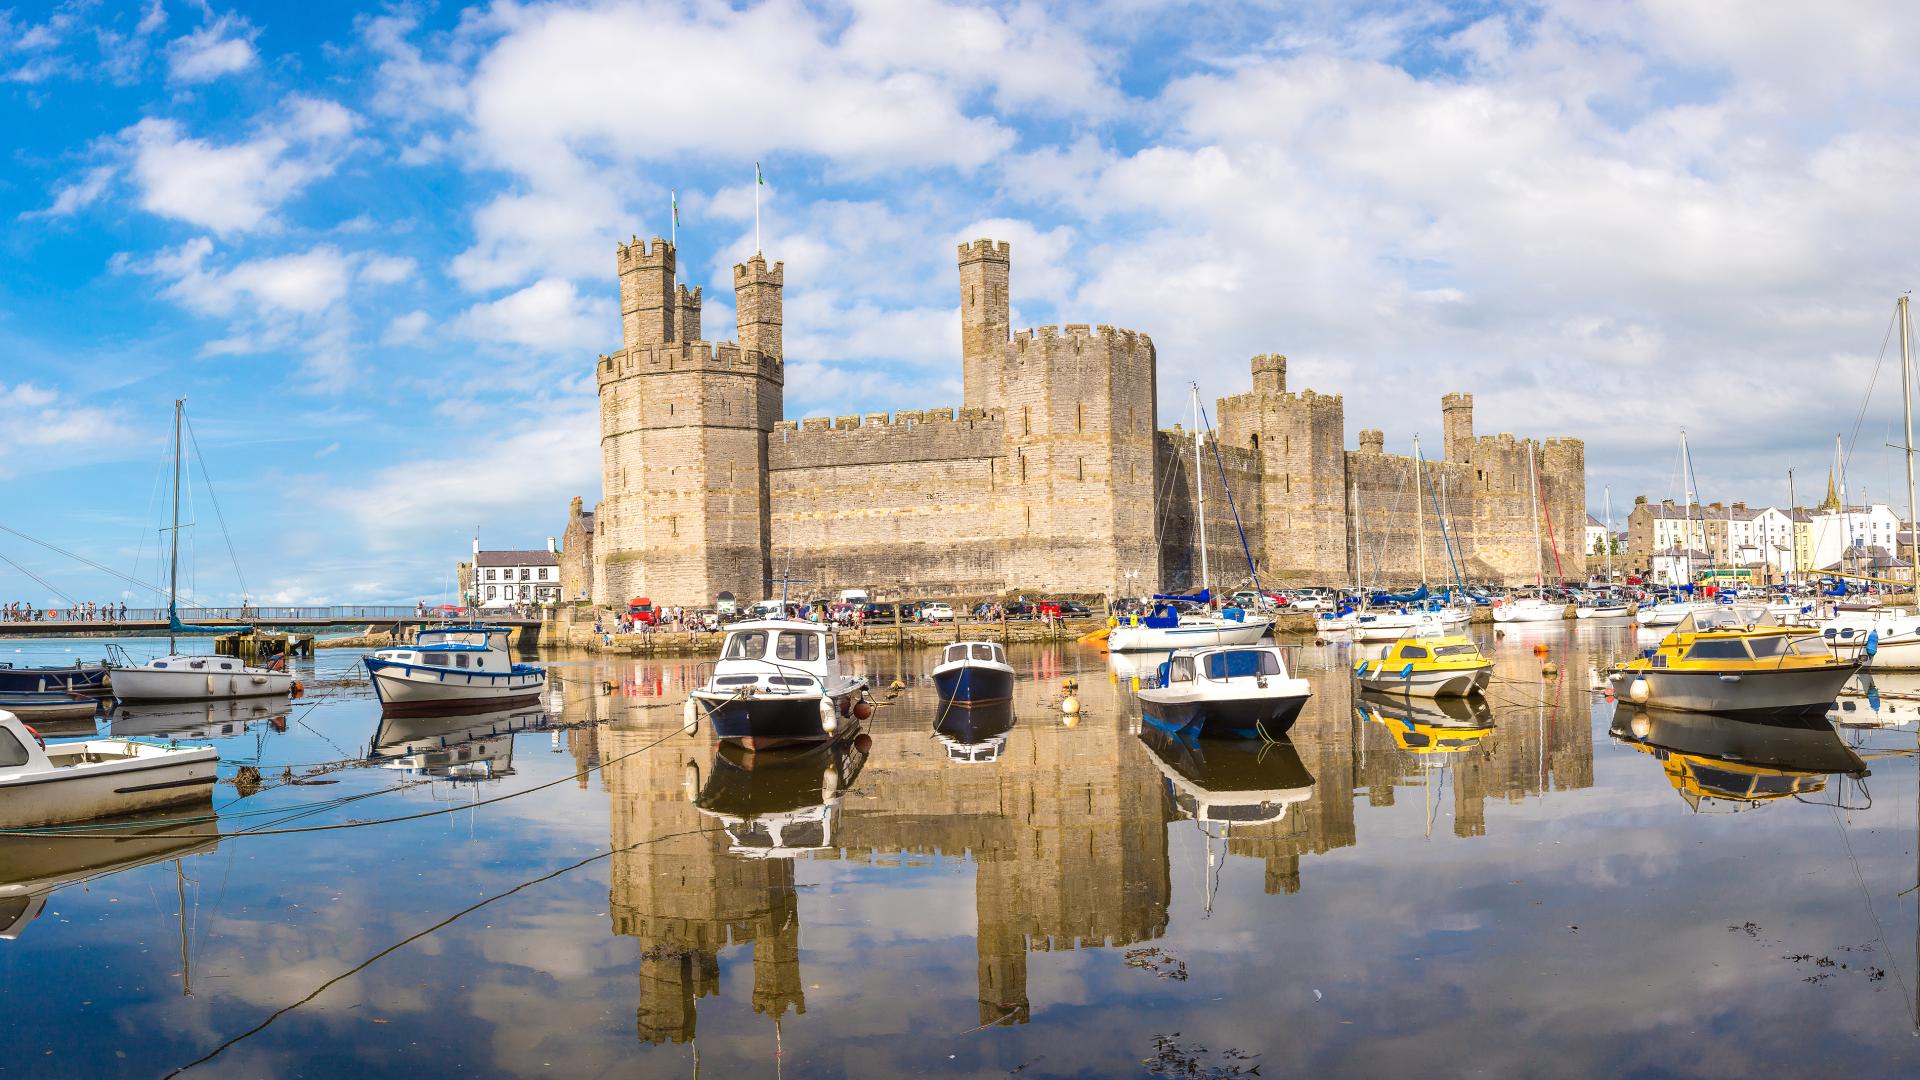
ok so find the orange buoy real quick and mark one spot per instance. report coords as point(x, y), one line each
point(1540, 649)
point(298, 690)
point(862, 710)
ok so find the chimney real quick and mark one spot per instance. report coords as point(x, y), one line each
point(476, 545)
point(552, 548)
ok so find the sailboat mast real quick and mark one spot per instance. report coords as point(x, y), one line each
point(1533, 511)
point(1686, 487)
point(1199, 488)
point(1606, 542)
point(1906, 408)
point(173, 573)
point(1419, 507)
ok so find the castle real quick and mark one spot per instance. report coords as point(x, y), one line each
point(1051, 478)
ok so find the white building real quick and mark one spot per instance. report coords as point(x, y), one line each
point(1676, 566)
point(1845, 534)
point(1596, 536)
point(505, 578)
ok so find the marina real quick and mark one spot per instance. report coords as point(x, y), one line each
point(631, 896)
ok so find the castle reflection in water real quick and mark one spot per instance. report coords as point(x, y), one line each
point(1067, 828)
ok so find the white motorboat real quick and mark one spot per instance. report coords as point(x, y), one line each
point(1167, 628)
point(1223, 690)
point(1526, 609)
point(32, 868)
point(48, 705)
point(452, 668)
point(1665, 614)
point(57, 784)
point(779, 681)
point(1394, 625)
point(1886, 639)
point(194, 677)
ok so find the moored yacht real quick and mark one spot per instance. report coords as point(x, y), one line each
point(1225, 690)
point(1730, 659)
point(1167, 627)
point(451, 668)
point(779, 681)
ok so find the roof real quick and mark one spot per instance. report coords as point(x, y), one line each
point(535, 557)
point(1594, 522)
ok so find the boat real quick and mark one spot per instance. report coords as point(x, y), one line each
point(1609, 608)
point(778, 804)
point(1167, 626)
point(61, 783)
point(1227, 784)
point(1730, 659)
point(189, 676)
point(33, 868)
point(452, 668)
point(1428, 726)
point(973, 673)
point(1886, 639)
point(779, 681)
point(1878, 699)
point(1666, 613)
point(1239, 691)
point(1377, 626)
point(48, 705)
point(460, 746)
point(1742, 762)
point(94, 679)
point(977, 735)
point(1427, 666)
point(1608, 604)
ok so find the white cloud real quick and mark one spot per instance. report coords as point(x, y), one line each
point(42, 419)
point(407, 329)
point(77, 196)
point(236, 187)
point(387, 269)
point(221, 47)
point(547, 316)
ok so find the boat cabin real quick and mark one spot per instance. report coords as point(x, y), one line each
point(978, 652)
point(1735, 636)
point(460, 648)
point(781, 656)
point(1222, 664)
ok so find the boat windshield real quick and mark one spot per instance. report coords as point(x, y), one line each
point(1244, 664)
point(797, 645)
point(746, 645)
point(1726, 617)
point(12, 751)
point(1456, 650)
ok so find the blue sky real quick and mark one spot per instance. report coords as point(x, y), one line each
point(373, 247)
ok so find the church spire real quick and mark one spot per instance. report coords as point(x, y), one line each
point(1833, 495)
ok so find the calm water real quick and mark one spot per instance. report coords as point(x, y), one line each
point(1510, 892)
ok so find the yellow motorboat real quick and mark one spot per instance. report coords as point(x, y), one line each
point(1449, 666)
point(1735, 660)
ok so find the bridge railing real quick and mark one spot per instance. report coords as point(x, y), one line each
point(370, 612)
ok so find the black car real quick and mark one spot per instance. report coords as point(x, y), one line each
point(877, 612)
point(1070, 609)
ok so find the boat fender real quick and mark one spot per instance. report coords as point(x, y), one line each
point(829, 717)
point(1873, 642)
point(1070, 705)
point(1639, 691)
point(689, 716)
point(1407, 672)
point(298, 689)
point(863, 710)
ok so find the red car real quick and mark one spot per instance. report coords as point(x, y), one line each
point(641, 610)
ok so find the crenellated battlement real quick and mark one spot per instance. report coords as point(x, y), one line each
point(1077, 336)
point(717, 356)
point(978, 250)
point(644, 254)
point(903, 419)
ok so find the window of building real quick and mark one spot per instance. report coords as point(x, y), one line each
point(526, 574)
point(526, 592)
point(493, 592)
point(1026, 419)
point(490, 575)
point(543, 573)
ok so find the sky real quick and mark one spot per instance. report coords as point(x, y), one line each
point(374, 247)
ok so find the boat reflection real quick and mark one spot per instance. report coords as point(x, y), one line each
point(469, 746)
point(197, 720)
point(1428, 726)
point(975, 735)
point(1878, 699)
point(1132, 667)
point(1224, 784)
point(1721, 763)
point(33, 868)
point(779, 803)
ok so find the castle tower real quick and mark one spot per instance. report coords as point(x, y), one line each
point(1457, 412)
point(688, 317)
point(756, 306)
point(646, 292)
point(1298, 444)
point(984, 319)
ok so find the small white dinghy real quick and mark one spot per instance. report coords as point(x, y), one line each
point(81, 781)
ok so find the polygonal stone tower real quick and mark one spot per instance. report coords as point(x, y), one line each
point(985, 319)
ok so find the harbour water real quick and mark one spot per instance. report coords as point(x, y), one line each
point(586, 890)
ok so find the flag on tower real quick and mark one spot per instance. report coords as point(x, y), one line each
point(757, 177)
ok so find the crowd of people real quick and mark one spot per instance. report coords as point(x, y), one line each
point(90, 611)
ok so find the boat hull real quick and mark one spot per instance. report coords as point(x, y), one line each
point(408, 690)
point(69, 680)
point(1186, 636)
point(1529, 613)
point(1240, 718)
point(766, 721)
point(1430, 684)
point(39, 708)
point(84, 793)
point(967, 685)
point(1778, 693)
point(150, 684)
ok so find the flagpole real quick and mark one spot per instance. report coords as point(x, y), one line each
point(756, 208)
point(673, 218)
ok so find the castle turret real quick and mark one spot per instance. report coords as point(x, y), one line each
point(646, 292)
point(1270, 374)
point(1372, 441)
point(688, 317)
point(756, 305)
point(985, 319)
point(1457, 411)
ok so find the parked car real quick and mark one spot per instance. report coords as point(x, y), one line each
point(1073, 609)
point(937, 613)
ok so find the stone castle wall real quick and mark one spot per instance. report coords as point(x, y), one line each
point(1051, 478)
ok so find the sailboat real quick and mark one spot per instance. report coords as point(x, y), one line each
point(1672, 612)
point(1608, 605)
point(1167, 627)
point(1888, 639)
point(192, 676)
point(1532, 608)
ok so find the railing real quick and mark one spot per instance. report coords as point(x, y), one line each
point(202, 616)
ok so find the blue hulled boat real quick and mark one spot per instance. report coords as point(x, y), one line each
point(973, 673)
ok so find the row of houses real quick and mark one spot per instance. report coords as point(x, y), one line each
point(510, 577)
point(1673, 543)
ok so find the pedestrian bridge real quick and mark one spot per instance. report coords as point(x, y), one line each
point(149, 620)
